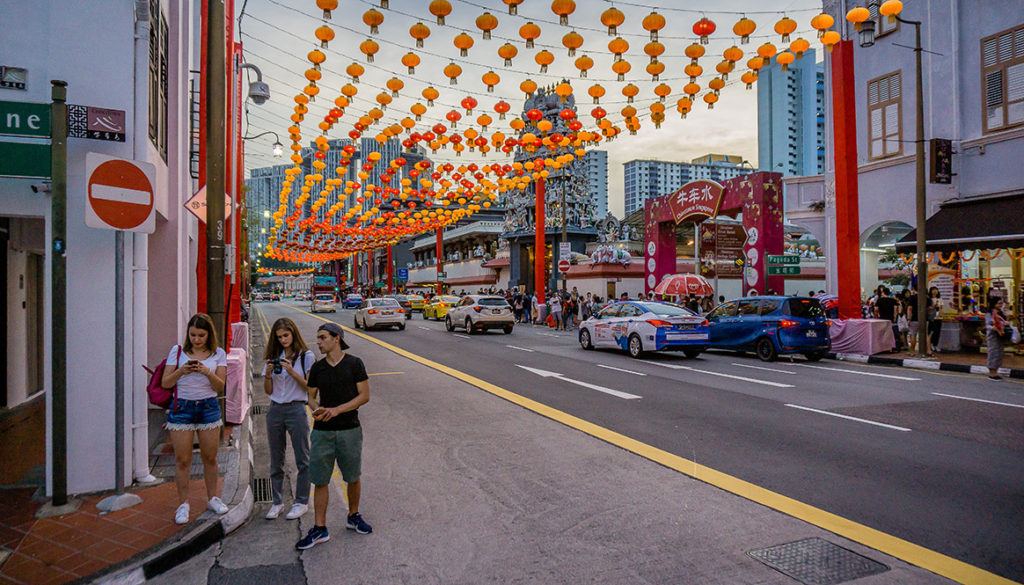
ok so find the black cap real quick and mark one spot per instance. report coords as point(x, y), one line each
point(335, 330)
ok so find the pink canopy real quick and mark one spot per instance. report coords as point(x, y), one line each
point(684, 284)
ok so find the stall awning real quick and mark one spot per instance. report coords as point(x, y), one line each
point(973, 224)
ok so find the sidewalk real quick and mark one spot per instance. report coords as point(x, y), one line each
point(969, 363)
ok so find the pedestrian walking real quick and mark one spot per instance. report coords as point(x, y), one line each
point(198, 368)
point(517, 306)
point(284, 378)
point(934, 317)
point(997, 327)
point(340, 384)
point(535, 306)
point(556, 311)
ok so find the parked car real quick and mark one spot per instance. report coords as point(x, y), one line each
point(641, 326)
point(417, 302)
point(437, 306)
point(382, 312)
point(772, 326)
point(352, 301)
point(404, 301)
point(323, 303)
point(480, 312)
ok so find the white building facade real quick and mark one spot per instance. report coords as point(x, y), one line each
point(646, 179)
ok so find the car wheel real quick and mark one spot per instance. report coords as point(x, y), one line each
point(424, 315)
point(636, 348)
point(585, 341)
point(507, 329)
point(766, 350)
point(692, 353)
point(814, 356)
point(355, 321)
point(469, 326)
point(448, 324)
point(401, 327)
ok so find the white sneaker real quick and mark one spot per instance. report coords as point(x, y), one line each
point(297, 511)
point(217, 506)
point(274, 511)
point(181, 514)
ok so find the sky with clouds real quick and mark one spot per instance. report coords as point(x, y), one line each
point(278, 34)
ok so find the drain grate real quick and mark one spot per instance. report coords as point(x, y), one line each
point(814, 561)
point(261, 493)
point(258, 409)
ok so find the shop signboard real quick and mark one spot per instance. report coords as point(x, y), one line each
point(402, 274)
point(721, 249)
point(696, 199)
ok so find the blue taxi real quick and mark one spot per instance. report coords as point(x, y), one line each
point(641, 326)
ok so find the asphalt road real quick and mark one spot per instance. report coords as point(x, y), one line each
point(936, 459)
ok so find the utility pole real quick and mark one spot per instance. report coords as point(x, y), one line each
point(565, 236)
point(216, 141)
point(539, 243)
point(59, 288)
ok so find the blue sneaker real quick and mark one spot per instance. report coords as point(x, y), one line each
point(315, 536)
point(356, 522)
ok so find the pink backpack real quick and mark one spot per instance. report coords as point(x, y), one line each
point(158, 395)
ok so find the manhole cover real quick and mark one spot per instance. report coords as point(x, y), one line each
point(261, 493)
point(817, 562)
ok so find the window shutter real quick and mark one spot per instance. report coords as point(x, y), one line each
point(892, 128)
point(1015, 82)
point(989, 54)
point(1018, 43)
point(1005, 47)
point(894, 86)
point(994, 88)
point(876, 124)
point(873, 93)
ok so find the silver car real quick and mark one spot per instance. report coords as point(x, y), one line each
point(479, 312)
point(323, 302)
point(384, 312)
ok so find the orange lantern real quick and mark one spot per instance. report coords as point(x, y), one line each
point(313, 75)
point(563, 8)
point(785, 58)
point(327, 6)
point(563, 90)
point(395, 85)
point(484, 120)
point(311, 91)
point(529, 32)
point(654, 49)
point(528, 87)
point(694, 52)
point(507, 52)
point(418, 110)
point(662, 91)
point(618, 46)
point(890, 9)
point(513, 6)
point(799, 46)
point(463, 42)
point(766, 51)
point(784, 27)
point(419, 31)
point(486, 22)
point(369, 48)
point(691, 89)
point(430, 94)
point(490, 79)
point(383, 99)
point(411, 60)
point(373, 19)
point(694, 71)
point(683, 106)
point(653, 22)
point(755, 63)
point(583, 64)
point(349, 90)
point(703, 28)
point(596, 91)
point(716, 84)
point(572, 41)
point(316, 58)
point(743, 29)
point(612, 18)
point(822, 23)
point(857, 16)
point(628, 112)
point(655, 69)
point(630, 92)
point(324, 34)
point(749, 78)
point(725, 68)
point(710, 99)
point(621, 68)
point(544, 58)
point(440, 9)
point(354, 71)
point(829, 39)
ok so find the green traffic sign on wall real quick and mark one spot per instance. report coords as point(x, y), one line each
point(783, 270)
point(25, 119)
point(782, 259)
point(25, 160)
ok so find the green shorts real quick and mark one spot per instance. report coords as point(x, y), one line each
point(326, 447)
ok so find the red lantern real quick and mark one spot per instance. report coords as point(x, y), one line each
point(567, 114)
point(703, 28)
point(575, 125)
point(354, 134)
point(534, 115)
point(469, 103)
point(502, 108)
point(439, 129)
point(598, 113)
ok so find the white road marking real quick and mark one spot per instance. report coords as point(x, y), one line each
point(859, 372)
point(620, 370)
point(765, 369)
point(519, 348)
point(979, 400)
point(870, 422)
point(755, 381)
point(550, 335)
point(547, 374)
point(425, 328)
point(462, 336)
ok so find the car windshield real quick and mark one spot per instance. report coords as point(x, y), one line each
point(399, 298)
point(805, 308)
point(325, 298)
point(415, 298)
point(665, 309)
point(493, 302)
point(384, 303)
point(448, 299)
point(354, 297)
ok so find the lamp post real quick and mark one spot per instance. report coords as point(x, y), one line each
point(867, 39)
point(278, 147)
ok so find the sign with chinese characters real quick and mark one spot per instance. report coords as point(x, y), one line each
point(941, 154)
point(13, 77)
point(696, 199)
point(96, 123)
point(721, 249)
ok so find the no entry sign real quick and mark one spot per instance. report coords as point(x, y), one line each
point(119, 194)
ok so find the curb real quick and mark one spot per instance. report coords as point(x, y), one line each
point(923, 364)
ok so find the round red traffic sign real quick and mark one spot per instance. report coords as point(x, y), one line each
point(121, 194)
point(563, 266)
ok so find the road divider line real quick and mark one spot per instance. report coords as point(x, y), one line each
point(547, 374)
point(979, 400)
point(904, 550)
point(424, 328)
point(621, 370)
point(860, 372)
point(387, 374)
point(462, 336)
point(709, 372)
point(519, 348)
point(853, 418)
point(763, 368)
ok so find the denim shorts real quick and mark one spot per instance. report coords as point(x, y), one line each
point(194, 415)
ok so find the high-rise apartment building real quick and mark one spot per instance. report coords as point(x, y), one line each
point(791, 117)
point(596, 172)
point(646, 179)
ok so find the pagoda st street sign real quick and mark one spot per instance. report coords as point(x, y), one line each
point(782, 259)
point(25, 119)
point(782, 265)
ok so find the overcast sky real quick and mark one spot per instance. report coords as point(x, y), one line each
point(278, 34)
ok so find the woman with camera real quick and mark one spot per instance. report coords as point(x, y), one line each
point(198, 368)
point(284, 380)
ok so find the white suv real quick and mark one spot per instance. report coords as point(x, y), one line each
point(479, 312)
point(323, 302)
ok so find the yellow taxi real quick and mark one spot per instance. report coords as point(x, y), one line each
point(437, 307)
point(416, 302)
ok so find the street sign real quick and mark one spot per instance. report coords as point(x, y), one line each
point(25, 160)
point(563, 265)
point(783, 270)
point(119, 193)
point(197, 205)
point(442, 275)
point(96, 123)
point(402, 274)
point(13, 77)
point(564, 250)
point(781, 259)
point(25, 119)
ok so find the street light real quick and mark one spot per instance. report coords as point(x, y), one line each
point(866, 26)
point(278, 147)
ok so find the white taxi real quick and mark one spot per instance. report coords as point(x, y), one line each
point(382, 312)
point(640, 326)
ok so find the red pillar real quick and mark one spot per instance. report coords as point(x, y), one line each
point(440, 257)
point(539, 243)
point(391, 273)
point(844, 129)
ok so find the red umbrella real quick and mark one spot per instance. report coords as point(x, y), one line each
point(684, 284)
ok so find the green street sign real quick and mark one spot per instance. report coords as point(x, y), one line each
point(783, 270)
point(25, 119)
point(442, 275)
point(782, 259)
point(24, 160)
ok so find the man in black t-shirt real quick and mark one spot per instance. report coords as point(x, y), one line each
point(341, 382)
point(885, 308)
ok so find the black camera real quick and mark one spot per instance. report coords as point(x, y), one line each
point(277, 366)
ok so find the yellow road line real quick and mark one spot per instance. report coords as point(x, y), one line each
point(920, 556)
point(387, 373)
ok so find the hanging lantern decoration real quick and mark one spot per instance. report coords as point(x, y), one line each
point(418, 110)
point(529, 32)
point(733, 54)
point(710, 99)
point(383, 99)
point(596, 91)
point(463, 42)
point(724, 68)
point(652, 23)
point(440, 9)
point(513, 6)
point(799, 46)
point(612, 18)
point(743, 28)
point(563, 8)
point(662, 91)
point(486, 22)
point(654, 49)
point(755, 63)
point(316, 58)
point(890, 9)
point(324, 34)
point(508, 51)
point(857, 16)
point(419, 31)
point(430, 94)
point(694, 51)
point(657, 114)
point(691, 89)
point(327, 6)
point(785, 58)
point(694, 71)
point(766, 52)
point(822, 23)
point(502, 108)
point(572, 41)
point(348, 90)
point(369, 48)
point(621, 68)
point(583, 64)
point(544, 58)
point(703, 28)
point(716, 85)
point(373, 19)
point(683, 106)
point(354, 71)
point(829, 39)
point(453, 117)
point(411, 60)
point(452, 72)
point(313, 75)
point(528, 87)
point(785, 27)
point(655, 69)
point(311, 90)
point(563, 90)
point(395, 85)
point(534, 115)
point(490, 79)
point(630, 92)
point(749, 78)
point(618, 46)
point(469, 103)
point(598, 113)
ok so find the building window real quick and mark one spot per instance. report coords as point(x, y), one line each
point(1002, 79)
point(158, 49)
point(882, 24)
point(885, 116)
